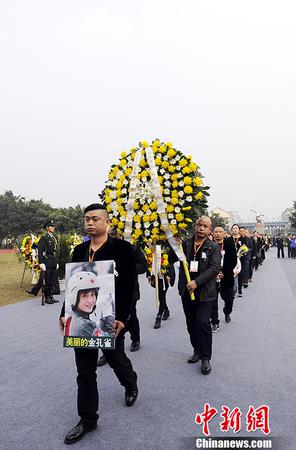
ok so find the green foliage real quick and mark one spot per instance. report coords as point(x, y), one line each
point(20, 216)
point(218, 221)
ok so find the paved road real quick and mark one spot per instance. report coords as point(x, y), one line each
point(253, 364)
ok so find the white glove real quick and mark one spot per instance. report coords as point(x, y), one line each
point(43, 267)
point(58, 266)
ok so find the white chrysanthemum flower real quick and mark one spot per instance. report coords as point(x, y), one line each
point(159, 155)
point(189, 198)
point(148, 212)
point(178, 168)
point(122, 219)
point(181, 202)
point(166, 192)
point(113, 194)
point(165, 158)
point(155, 224)
point(173, 161)
point(177, 157)
point(140, 213)
point(124, 191)
point(147, 225)
point(147, 233)
point(170, 216)
point(177, 209)
point(162, 171)
point(137, 225)
point(167, 176)
point(167, 183)
point(173, 222)
point(181, 194)
point(181, 183)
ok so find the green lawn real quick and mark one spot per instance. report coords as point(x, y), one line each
point(11, 272)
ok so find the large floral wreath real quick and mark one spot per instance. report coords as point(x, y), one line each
point(27, 252)
point(181, 187)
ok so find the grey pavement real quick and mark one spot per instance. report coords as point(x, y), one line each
point(253, 363)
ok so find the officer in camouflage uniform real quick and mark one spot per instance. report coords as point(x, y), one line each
point(47, 257)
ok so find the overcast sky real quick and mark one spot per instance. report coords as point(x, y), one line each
point(80, 81)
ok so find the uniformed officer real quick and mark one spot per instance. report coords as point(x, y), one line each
point(47, 257)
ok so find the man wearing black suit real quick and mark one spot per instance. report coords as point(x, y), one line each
point(102, 247)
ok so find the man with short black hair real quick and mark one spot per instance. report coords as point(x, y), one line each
point(102, 247)
point(204, 261)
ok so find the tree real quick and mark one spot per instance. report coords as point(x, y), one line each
point(292, 217)
point(218, 221)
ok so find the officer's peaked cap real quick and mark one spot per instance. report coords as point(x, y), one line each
point(49, 223)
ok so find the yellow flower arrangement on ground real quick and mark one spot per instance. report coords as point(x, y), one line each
point(181, 188)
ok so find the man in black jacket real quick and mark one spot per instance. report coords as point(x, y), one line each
point(103, 247)
point(204, 260)
point(225, 278)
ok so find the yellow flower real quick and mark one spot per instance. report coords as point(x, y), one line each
point(143, 163)
point(174, 200)
point(172, 168)
point(153, 216)
point(179, 217)
point(108, 199)
point(118, 185)
point(169, 145)
point(109, 208)
point(165, 164)
point(123, 154)
point(182, 225)
point(158, 161)
point(188, 220)
point(160, 179)
point(197, 181)
point(144, 144)
point(198, 196)
point(174, 177)
point(185, 170)
point(183, 162)
point(189, 157)
point(144, 173)
point(120, 225)
point(148, 251)
point(136, 206)
point(188, 190)
point(175, 193)
point(118, 194)
point(175, 184)
point(186, 208)
point(193, 167)
point(146, 218)
point(171, 153)
point(114, 221)
point(145, 207)
point(162, 149)
point(155, 231)
point(122, 163)
point(170, 208)
point(187, 180)
point(173, 229)
point(128, 171)
point(153, 205)
point(137, 218)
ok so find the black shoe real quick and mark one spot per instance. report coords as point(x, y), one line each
point(54, 300)
point(215, 327)
point(48, 301)
point(205, 366)
point(239, 294)
point(135, 345)
point(31, 292)
point(78, 432)
point(166, 314)
point(102, 361)
point(131, 396)
point(245, 285)
point(157, 322)
point(193, 358)
point(227, 318)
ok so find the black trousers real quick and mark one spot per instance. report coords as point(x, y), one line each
point(280, 250)
point(198, 316)
point(134, 326)
point(227, 295)
point(162, 299)
point(51, 275)
point(86, 363)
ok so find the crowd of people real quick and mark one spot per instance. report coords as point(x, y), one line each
point(218, 263)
